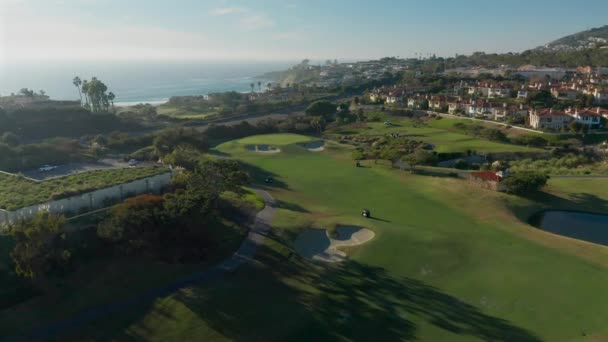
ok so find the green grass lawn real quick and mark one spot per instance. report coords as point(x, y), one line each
point(183, 113)
point(274, 139)
point(17, 192)
point(437, 132)
point(450, 261)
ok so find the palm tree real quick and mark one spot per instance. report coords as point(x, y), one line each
point(85, 90)
point(252, 85)
point(111, 97)
point(269, 85)
point(260, 86)
point(77, 82)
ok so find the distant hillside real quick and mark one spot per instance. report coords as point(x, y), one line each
point(595, 37)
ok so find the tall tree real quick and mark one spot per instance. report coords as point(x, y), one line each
point(318, 123)
point(26, 92)
point(85, 91)
point(77, 83)
point(259, 86)
point(252, 85)
point(321, 108)
point(111, 97)
point(40, 247)
point(95, 95)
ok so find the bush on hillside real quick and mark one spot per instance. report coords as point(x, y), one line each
point(525, 183)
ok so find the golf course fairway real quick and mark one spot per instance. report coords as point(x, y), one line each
point(449, 261)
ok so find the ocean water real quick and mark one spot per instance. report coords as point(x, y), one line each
point(136, 82)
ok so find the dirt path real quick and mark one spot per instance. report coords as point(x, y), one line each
point(244, 254)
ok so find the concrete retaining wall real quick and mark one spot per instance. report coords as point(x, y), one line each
point(91, 200)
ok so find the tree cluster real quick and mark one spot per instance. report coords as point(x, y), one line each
point(17, 157)
point(170, 139)
point(477, 130)
point(525, 183)
point(41, 249)
point(173, 227)
point(95, 97)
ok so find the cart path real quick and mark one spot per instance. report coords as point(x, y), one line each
point(244, 254)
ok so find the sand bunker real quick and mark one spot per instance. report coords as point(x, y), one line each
point(316, 245)
point(314, 146)
point(263, 148)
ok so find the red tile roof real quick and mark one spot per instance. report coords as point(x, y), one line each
point(549, 112)
point(587, 112)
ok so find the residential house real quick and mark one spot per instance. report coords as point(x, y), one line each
point(437, 102)
point(548, 118)
point(378, 94)
point(458, 106)
point(495, 91)
point(479, 108)
point(563, 93)
point(586, 116)
point(506, 111)
point(600, 95)
point(489, 90)
point(523, 93)
point(416, 101)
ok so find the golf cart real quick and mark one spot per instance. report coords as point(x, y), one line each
point(268, 180)
point(358, 164)
point(366, 213)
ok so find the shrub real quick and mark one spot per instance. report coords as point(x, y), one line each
point(524, 183)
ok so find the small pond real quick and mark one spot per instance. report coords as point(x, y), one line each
point(578, 225)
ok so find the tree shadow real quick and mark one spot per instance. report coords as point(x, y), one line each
point(531, 212)
point(220, 154)
point(281, 296)
point(572, 225)
point(299, 300)
point(258, 177)
point(290, 206)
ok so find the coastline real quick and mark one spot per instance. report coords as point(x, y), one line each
point(157, 102)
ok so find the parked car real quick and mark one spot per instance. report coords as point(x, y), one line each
point(46, 168)
point(133, 162)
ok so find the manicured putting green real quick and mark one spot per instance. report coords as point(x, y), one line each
point(274, 139)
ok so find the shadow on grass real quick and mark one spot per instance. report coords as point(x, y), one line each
point(530, 213)
point(280, 296)
point(220, 154)
point(379, 219)
point(569, 222)
point(290, 206)
point(259, 175)
point(275, 300)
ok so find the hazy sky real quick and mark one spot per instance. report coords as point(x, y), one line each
point(280, 30)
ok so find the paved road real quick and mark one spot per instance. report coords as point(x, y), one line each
point(579, 176)
point(244, 254)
